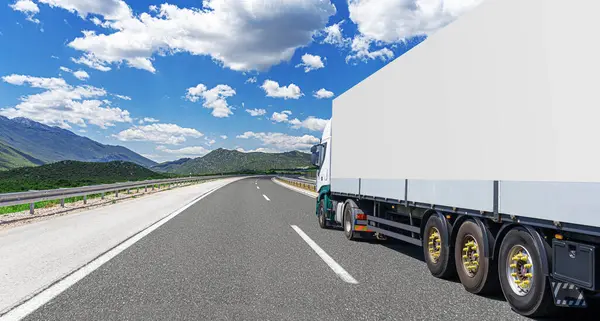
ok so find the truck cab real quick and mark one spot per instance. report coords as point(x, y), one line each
point(321, 157)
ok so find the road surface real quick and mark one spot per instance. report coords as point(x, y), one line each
point(244, 253)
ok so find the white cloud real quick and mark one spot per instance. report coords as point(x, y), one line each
point(185, 152)
point(122, 97)
point(79, 74)
point(252, 80)
point(54, 57)
point(242, 36)
point(256, 112)
point(83, 131)
point(148, 120)
point(310, 123)
point(311, 62)
point(282, 142)
point(334, 35)
point(323, 93)
point(91, 62)
point(273, 89)
point(210, 142)
point(281, 117)
point(110, 9)
point(397, 20)
point(158, 133)
point(61, 104)
point(223, 136)
point(215, 98)
point(28, 7)
point(361, 50)
point(258, 150)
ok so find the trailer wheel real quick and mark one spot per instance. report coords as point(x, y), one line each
point(437, 254)
point(477, 273)
point(348, 223)
point(523, 283)
point(321, 216)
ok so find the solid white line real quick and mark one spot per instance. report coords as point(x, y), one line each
point(257, 187)
point(265, 196)
point(43, 297)
point(338, 269)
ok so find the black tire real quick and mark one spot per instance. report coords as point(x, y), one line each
point(485, 279)
point(538, 302)
point(348, 223)
point(444, 266)
point(321, 216)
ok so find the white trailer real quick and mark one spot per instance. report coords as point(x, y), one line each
point(481, 145)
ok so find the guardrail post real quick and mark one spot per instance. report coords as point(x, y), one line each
point(116, 194)
point(138, 190)
point(102, 197)
point(62, 202)
point(84, 199)
point(145, 189)
point(153, 186)
point(128, 191)
point(31, 208)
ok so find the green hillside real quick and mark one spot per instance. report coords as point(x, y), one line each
point(169, 167)
point(72, 174)
point(12, 158)
point(229, 161)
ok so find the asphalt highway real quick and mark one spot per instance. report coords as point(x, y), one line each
point(244, 253)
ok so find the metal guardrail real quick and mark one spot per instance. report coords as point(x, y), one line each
point(31, 197)
point(302, 183)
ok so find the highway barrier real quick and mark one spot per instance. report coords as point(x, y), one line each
point(302, 183)
point(31, 197)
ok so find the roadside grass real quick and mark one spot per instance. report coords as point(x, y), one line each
point(46, 204)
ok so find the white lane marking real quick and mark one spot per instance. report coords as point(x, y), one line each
point(36, 301)
point(265, 196)
point(338, 269)
point(257, 187)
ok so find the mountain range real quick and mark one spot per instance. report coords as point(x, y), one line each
point(24, 142)
point(27, 143)
point(228, 161)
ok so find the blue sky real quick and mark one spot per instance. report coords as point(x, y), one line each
point(172, 80)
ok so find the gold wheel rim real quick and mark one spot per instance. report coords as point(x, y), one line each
point(470, 255)
point(434, 244)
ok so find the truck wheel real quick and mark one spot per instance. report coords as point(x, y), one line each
point(437, 255)
point(477, 273)
point(523, 283)
point(348, 222)
point(321, 216)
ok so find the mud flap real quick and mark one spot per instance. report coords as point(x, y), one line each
point(567, 295)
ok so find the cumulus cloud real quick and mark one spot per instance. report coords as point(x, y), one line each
point(215, 98)
point(60, 104)
point(210, 142)
point(397, 20)
point(242, 36)
point(148, 120)
point(258, 150)
point(27, 7)
point(282, 142)
point(256, 112)
point(252, 80)
point(79, 74)
point(361, 50)
point(334, 36)
point(323, 93)
point(273, 89)
point(223, 136)
point(311, 62)
point(281, 117)
point(187, 152)
point(310, 123)
point(159, 133)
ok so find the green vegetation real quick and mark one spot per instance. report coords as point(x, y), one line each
point(73, 174)
point(223, 161)
point(12, 158)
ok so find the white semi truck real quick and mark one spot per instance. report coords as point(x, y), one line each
point(482, 145)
